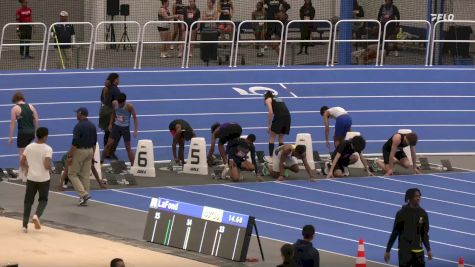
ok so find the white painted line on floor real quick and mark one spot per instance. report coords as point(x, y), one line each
point(342, 208)
point(373, 200)
point(400, 193)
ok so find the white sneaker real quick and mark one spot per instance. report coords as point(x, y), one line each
point(172, 47)
point(24, 230)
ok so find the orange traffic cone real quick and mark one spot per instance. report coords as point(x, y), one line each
point(361, 257)
point(461, 263)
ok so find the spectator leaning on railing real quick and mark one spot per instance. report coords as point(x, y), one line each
point(64, 33)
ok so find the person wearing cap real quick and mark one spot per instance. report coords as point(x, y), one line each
point(81, 154)
point(63, 34)
point(411, 227)
point(181, 131)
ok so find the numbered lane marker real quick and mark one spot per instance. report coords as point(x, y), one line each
point(196, 163)
point(97, 163)
point(306, 139)
point(144, 164)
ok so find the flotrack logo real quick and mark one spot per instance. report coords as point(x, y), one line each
point(437, 17)
point(167, 204)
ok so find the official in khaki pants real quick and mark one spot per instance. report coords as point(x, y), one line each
point(81, 155)
point(64, 34)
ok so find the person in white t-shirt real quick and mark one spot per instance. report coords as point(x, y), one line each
point(342, 123)
point(36, 161)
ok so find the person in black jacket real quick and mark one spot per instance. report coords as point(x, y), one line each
point(109, 93)
point(411, 227)
point(307, 12)
point(305, 255)
point(388, 12)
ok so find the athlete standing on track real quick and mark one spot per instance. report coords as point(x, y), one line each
point(119, 126)
point(110, 92)
point(278, 119)
point(27, 119)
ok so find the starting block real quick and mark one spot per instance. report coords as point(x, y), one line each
point(174, 167)
point(407, 149)
point(144, 164)
point(425, 165)
point(359, 163)
point(447, 165)
point(11, 173)
point(306, 139)
point(118, 166)
point(217, 172)
point(97, 163)
point(197, 162)
point(111, 179)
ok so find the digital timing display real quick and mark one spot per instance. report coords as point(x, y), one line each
point(199, 228)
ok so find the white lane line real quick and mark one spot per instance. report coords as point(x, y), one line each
point(399, 193)
point(372, 200)
point(453, 179)
point(291, 227)
point(341, 208)
point(309, 216)
point(430, 186)
point(296, 127)
point(262, 112)
point(288, 90)
point(236, 84)
point(251, 98)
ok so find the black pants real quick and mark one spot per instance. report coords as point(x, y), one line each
point(106, 138)
point(25, 38)
point(31, 188)
point(415, 259)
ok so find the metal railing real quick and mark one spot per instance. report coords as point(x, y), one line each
point(287, 41)
point(50, 32)
point(335, 40)
point(233, 38)
point(427, 40)
point(42, 44)
point(115, 43)
point(154, 22)
point(434, 40)
point(260, 41)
